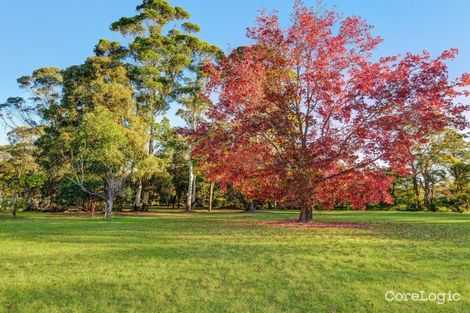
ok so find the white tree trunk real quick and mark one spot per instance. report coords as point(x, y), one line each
point(108, 211)
point(189, 200)
point(114, 187)
point(193, 197)
point(138, 194)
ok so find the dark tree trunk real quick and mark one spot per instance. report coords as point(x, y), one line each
point(427, 205)
point(93, 209)
point(14, 205)
point(250, 207)
point(416, 192)
point(211, 196)
point(146, 201)
point(306, 215)
point(426, 192)
point(416, 187)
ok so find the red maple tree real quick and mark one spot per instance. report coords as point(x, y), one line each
point(306, 118)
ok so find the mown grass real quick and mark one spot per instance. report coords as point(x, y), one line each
point(222, 262)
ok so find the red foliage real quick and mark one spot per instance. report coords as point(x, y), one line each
point(305, 117)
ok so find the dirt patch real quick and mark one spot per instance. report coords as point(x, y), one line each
point(296, 224)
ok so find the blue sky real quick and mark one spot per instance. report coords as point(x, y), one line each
point(62, 33)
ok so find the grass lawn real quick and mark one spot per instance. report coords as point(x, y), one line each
point(227, 262)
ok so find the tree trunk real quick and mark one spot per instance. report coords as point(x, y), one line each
point(416, 188)
point(250, 207)
point(211, 196)
point(146, 196)
point(189, 200)
point(14, 204)
point(427, 203)
point(193, 206)
point(138, 193)
point(306, 215)
point(145, 201)
point(108, 208)
point(416, 192)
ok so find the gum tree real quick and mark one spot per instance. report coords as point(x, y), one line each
point(21, 177)
point(99, 136)
point(162, 47)
point(194, 104)
point(43, 87)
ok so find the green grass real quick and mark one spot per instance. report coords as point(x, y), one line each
point(222, 263)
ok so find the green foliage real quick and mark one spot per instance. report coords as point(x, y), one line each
point(21, 177)
point(7, 204)
point(69, 194)
point(102, 142)
point(43, 87)
point(441, 173)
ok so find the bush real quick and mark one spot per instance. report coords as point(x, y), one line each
point(10, 205)
point(401, 207)
point(443, 209)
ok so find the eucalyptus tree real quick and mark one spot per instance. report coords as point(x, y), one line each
point(105, 148)
point(456, 161)
point(98, 135)
point(38, 109)
point(442, 164)
point(21, 177)
point(43, 88)
point(194, 103)
point(162, 46)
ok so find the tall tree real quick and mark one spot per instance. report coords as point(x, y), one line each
point(305, 117)
point(21, 177)
point(44, 88)
point(99, 134)
point(440, 161)
point(105, 148)
point(162, 46)
point(194, 104)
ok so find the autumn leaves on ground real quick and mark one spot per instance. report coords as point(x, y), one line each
point(232, 262)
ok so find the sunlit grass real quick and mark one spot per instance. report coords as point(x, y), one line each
point(226, 262)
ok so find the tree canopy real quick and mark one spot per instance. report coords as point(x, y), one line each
point(304, 117)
